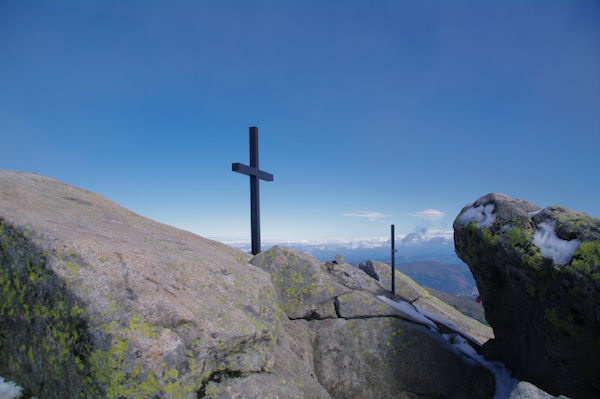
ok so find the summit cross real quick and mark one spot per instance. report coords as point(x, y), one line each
point(255, 176)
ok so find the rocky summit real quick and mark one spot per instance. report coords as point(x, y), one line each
point(98, 302)
point(538, 273)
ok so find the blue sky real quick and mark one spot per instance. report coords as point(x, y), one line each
point(369, 112)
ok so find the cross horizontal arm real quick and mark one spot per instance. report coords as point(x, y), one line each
point(249, 171)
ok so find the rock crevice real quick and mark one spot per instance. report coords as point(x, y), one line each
point(363, 347)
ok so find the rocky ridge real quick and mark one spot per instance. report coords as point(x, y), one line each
point(362, 347)
point(100, 302)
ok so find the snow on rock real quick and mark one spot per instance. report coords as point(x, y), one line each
point(9, 390)
point(457, 344)
point(438, 319)
point(481, 214)
point(505, 383)
point(559, 250)
point(409, 311)
point(542, 314)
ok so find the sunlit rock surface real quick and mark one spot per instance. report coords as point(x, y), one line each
point(99, 302)
point(364, 348)
point(414, 293)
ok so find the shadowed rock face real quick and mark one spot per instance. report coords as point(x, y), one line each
point(99, 302)
point(538, 273)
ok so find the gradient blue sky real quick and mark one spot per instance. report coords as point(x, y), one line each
point(383, 109)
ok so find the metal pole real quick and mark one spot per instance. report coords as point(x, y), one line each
point(393, 264)
point(254, 194)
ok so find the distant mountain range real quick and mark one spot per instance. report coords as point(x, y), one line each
point(452, 279)
point(433, 265)
point(466, 305)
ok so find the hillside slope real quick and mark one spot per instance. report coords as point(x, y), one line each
point(99, 302)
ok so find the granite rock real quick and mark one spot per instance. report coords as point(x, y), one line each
point(418, 296)
point(99, 302)
point(538, 273)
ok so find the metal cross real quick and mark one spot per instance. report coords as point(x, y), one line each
point(255, 175)
point(393, 263)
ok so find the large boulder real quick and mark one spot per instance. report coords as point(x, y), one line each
point(538, 273)
point(97, 301)
point(417, 295)
point(386, 357)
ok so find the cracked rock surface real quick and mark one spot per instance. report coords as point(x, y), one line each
point(366, 348)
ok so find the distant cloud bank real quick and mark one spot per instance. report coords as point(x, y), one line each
point(422, 236)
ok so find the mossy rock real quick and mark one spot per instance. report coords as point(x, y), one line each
point(543, 307)
point(303, 284)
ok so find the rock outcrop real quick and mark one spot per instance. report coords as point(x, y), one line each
point(417, 295)
point(538, 273)
point(100, 302)
point(364, 348)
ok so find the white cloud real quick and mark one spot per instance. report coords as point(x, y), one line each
point(421, 236)
point(370, 216)
point(429, 214)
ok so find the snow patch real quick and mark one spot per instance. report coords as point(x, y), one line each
point(481, 214)
point(409, 311)
point(457, 344)
point(439, 320)
point(559, 250)
point(532, 214)
point(9, 390)
point(505, 383)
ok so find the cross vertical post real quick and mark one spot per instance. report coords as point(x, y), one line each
point(254, 193)
point(393, 264)
point(255, 176)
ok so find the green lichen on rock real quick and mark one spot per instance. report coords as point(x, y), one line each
point(56, 352)
point(303, 286)
point(570, 224)
point(119, 377)
point(587, 257)
point(54, 344)
point(562, 323)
